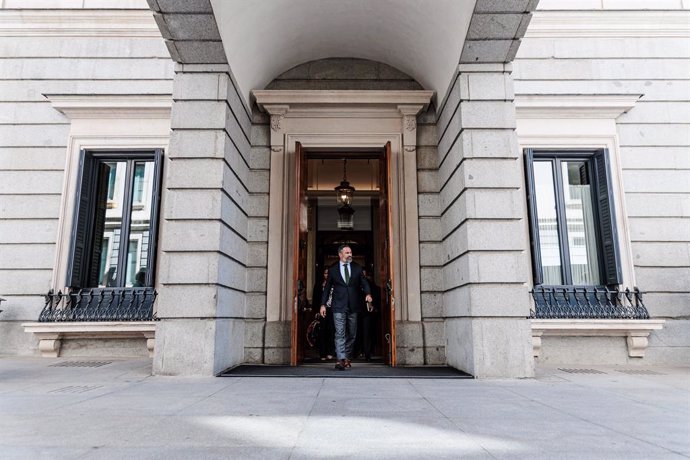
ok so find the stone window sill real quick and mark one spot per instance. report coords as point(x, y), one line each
point(635, 330)
point(50, 335)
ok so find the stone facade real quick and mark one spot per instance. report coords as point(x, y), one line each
point(44, 53)
point(474, 253)
point(594, 48)
point(206, 231)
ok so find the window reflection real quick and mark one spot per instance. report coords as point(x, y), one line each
point(579, 213)
point(547, 222)
point(108, 222)
point(139, 183)
point(140, 225)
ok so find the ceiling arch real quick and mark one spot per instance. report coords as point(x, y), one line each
point(263, 39)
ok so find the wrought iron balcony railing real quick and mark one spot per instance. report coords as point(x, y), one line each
point(587, 302)
point(102, 304)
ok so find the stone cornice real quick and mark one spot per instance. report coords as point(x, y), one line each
point(609, 106)
point(609, 23)
point(112, 106)
point(78, 23)
point(323, 99)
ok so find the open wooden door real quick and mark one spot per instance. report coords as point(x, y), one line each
point(386, 258)
point(300, 304)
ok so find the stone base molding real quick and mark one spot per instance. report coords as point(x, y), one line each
point(51, 335)
point(636, 331)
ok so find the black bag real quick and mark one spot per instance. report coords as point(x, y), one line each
point(314, 331)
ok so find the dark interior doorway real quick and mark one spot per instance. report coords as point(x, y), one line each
point(318, 249)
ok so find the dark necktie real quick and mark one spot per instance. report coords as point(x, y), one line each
point(347, 274)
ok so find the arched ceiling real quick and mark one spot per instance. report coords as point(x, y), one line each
point(423, 38)
point(261, 39)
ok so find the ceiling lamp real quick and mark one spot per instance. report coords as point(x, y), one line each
point(343, 194)
point(344, 191)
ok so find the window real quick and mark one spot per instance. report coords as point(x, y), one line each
point(114, 231)
point(572, 219)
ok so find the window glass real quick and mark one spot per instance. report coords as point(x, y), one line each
point(547, 222)
point(140, 224)
point(139, 182)
point(108, 221)
point(114, 233)
point(112, 180)
point(132, 264)
point(579, 214)
point(104, 255)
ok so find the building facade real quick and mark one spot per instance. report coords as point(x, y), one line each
point(521, 172)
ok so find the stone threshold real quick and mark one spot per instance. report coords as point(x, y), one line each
point(635, 330)
point(51, 335)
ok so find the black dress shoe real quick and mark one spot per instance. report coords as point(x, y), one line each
point(348, 364)
point(340, 365)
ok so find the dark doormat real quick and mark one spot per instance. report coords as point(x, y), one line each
point(367, 371)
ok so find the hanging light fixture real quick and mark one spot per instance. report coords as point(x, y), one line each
point(344, 193)
point(346, 220)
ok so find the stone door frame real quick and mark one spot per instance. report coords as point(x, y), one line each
point(341, 120)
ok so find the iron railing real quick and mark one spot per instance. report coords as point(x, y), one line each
point(109, 304)
point(587, 302)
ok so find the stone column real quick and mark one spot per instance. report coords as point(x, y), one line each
point(202, 273)
point(485, 243)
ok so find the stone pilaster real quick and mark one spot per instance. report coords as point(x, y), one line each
point(204, 229)
point(484, 232)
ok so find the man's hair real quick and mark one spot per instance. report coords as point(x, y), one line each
point(343, 246)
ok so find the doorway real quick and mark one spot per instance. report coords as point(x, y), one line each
point(319, 229)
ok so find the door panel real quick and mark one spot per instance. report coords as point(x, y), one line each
point(300, 305)
point(386, 258)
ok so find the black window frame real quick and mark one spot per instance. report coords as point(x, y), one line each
point(599, 170)
point(83, 228)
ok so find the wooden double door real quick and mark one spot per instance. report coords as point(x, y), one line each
point(381, 254)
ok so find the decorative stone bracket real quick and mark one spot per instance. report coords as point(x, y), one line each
point(635, 330)
point(50, 335)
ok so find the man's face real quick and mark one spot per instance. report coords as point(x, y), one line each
point(345, 255)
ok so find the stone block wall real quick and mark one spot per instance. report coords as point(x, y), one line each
point(261, 342)
point(432, 333)
point(206, 227)
point(653, 137)
point(344, 74)
point(483, 231)
point(44, 52)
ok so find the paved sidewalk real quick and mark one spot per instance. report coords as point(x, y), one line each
point(119, 411)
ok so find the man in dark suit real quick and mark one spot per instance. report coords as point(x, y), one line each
point(350, 288)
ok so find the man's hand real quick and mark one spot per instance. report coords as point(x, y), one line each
point(368, 298)
point(322, 311)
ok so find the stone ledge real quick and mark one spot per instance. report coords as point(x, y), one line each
point(635, 330)
point(50, 335)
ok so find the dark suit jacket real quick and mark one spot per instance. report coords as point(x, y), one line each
point(346, 297)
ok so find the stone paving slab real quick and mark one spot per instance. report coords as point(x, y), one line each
point(118, 410)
